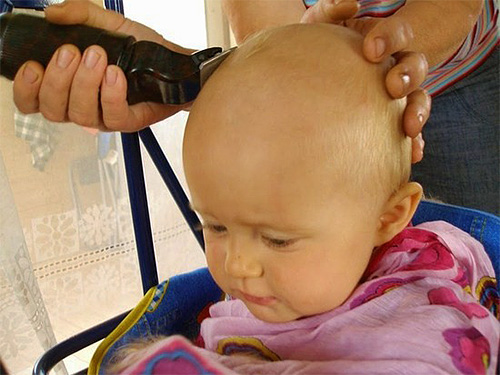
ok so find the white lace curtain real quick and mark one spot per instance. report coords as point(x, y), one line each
point(67, 251)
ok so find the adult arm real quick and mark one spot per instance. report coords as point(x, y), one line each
point(248, 16)
point(439, 28)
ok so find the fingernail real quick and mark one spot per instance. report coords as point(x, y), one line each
point(379, 47)
point(29, 75)
point(64, 58)
point(91, 58)
point(405, 80)
point(111, 76)
point(420, 118)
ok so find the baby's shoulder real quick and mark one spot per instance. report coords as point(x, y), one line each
point(435, 245)
point(435, 256)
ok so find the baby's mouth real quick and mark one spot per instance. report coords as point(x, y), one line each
point(263, 301)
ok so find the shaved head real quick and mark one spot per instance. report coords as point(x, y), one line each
point(300, 102)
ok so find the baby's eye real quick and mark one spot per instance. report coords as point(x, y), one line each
point(215, 228)
point(278, 242)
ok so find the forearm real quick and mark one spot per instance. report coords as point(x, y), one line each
point(439, 26)
point(248, 16)
point(142, 32)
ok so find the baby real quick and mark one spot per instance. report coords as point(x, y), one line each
point(297, 164)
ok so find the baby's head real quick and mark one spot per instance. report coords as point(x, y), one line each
point(297, 163)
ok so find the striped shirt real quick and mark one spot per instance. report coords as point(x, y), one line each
point(475, 49)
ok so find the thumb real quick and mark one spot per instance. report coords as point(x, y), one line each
point(73, 12)
point(330, 11)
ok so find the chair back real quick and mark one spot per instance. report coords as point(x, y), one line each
point(483, 226)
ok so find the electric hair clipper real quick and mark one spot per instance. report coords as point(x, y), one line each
point(154, 73)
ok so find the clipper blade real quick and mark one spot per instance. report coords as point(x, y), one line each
point(208, 67)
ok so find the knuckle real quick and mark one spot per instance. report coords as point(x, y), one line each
point(80, 118)
point(427, 96)
point(109, 101)
point(26, 110)
point(399, 32)
point(113, 125)
point(54, 84)
point(52, 115)
point(116, 120)
point(407, 30)
point(424, 62)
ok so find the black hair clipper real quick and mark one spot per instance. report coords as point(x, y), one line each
point(154, 73)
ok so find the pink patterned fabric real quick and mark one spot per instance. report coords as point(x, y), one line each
point(416, 311)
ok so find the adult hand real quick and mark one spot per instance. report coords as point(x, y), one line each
point(391, 36)
point(384, 37)
point(330, 11)
point(82, 88)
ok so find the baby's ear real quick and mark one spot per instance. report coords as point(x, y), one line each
point(398, 212)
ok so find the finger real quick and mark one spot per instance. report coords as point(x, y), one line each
point(362, 25)
point(407, 74)
point(330, 11)
point(387, 37)
point(417, 112)
point(417, 150)
point(118, 115)
point(84, 12)
point(56, 84)
point(84, 106)
point(27, 85)
point(114, 104)
point(145, 114)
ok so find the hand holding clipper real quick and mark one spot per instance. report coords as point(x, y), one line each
point(154, 73)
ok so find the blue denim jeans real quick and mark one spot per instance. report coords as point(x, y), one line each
point(461, 159)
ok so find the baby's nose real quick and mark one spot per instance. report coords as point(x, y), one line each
point(242, 262)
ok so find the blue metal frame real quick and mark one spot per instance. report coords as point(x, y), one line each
point(5, 6)
point(139, 201)
point(173, 184)
point(116, 5)
point(140, 212)
point(8, 5)
point(74, 344)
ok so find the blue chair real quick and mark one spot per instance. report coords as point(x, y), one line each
point(483, 226)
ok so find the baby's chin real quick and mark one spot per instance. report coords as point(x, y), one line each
point(281, 314)
point(273, 314)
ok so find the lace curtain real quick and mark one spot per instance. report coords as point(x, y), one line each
point(67, 251)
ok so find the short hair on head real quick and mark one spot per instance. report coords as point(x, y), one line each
point(358, 125)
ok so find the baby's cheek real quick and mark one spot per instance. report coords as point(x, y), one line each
point(285, 277)
point(212, 253)
point(215, 256)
